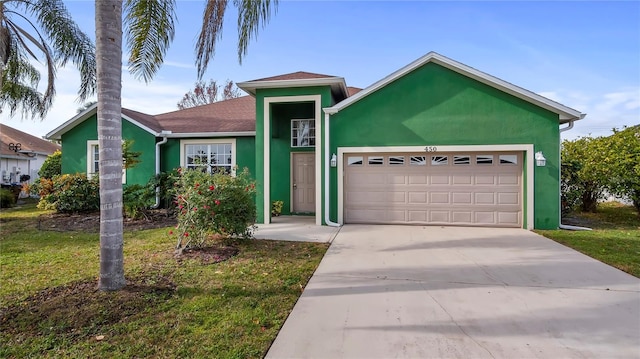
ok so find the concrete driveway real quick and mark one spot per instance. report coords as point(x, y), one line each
point(450, 292)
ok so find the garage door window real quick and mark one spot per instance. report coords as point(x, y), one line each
point(376, 160)
point(439, 160)
point(508, 159)
point(354, 161)
point(462, 160)
point(418, 161)
point(396, 160)
point(484, 159)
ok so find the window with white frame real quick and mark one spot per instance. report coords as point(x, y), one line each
point(93, 161)
point(209, 156)
point(303, 133)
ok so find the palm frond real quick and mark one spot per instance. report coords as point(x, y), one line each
point(19, 87)
point(252, 14)
point(211, 31)
point(67, 40)
point(149, 31)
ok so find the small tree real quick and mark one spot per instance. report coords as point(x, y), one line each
point(582, 176)
point(206, 93)
point(52, 166)
point(620, 164)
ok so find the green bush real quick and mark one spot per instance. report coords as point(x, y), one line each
point(72, 193)
point(7, 199)
point(137, 199)
point(213, 204)
point(52, 166)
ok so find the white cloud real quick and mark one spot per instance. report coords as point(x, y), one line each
point(605, 111)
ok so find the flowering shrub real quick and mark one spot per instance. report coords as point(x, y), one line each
point(70, 193)
point(213, 204)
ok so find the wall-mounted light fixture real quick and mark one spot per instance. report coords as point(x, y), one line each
point(334, 160)
point(540, 160)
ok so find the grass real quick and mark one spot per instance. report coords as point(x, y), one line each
point(615, 238)
point(50, 307)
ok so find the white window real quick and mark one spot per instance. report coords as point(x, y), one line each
point(93, 161)
point(303, 133)
point(210, 155)
point(508, 159)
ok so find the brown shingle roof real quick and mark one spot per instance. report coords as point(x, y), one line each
point(234, 115)
point(353, 90)
point(144, 119)
point(27, 142)
point(300, 75)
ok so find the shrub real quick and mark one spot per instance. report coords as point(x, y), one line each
point(71, 193)
point(52, 166)
point(7, 199)
point(276, 208)
point(213, 204)
point(137, 199)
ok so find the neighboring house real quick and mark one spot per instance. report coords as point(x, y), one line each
point(436, 142)
point(22, 154)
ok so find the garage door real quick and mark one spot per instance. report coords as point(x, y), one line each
point(475, 189)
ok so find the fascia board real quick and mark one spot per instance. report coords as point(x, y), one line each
point(251, 86)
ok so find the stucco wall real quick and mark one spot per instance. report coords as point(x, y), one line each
point(436, 106)
point(74, 149)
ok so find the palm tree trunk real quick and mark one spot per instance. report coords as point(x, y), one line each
point(109, 74)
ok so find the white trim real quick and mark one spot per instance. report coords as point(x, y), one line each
point(90, 145)
point(335, 82)
point(526, 148)
point(57, 133)
point(266, 150)
point(90, 174)
point(208, 141)
point(565, 113)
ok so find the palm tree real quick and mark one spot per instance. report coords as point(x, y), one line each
point(40, 30)
point(150, 30)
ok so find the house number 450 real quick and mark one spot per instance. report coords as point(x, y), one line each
point(431, 149)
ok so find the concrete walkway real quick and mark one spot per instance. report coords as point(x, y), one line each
point(296, 228)
point(446, 292)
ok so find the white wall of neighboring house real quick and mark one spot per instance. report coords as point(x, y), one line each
point(11, 168)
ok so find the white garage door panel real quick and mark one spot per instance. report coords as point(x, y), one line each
point(418, 191)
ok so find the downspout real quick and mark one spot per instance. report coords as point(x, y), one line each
point(164, 140)
point(566, 226)
point(327, 159)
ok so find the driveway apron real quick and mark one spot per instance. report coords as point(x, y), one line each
point(453, 292)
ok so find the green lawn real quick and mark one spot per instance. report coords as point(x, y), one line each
point(178, 308)
point(615, 238)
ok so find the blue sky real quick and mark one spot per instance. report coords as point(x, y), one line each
point(583, 54)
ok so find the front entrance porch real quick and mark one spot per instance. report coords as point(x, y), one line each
point(296, 228)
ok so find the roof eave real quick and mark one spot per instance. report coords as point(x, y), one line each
point(210, 134)
point(336, 83)
point(57, 133)
point(566, 114)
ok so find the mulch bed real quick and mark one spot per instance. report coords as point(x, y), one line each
point(90, 222)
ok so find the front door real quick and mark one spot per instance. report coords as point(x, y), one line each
point(303, 182)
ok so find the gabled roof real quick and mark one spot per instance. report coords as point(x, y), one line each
point(28, 143)
point(139, 119)
point(297, 79)
point(300, 75)
point(566, 114)
point(233, 117)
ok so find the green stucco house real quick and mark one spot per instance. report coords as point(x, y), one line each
point(435, 143)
